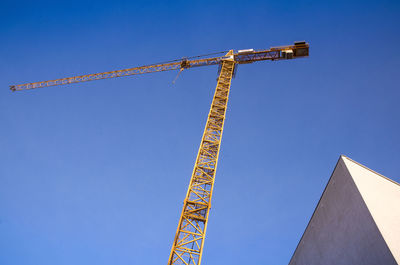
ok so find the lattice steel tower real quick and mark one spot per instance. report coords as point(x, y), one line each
point(188, 243)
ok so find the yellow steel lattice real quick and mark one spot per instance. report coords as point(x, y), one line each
point(188, 244)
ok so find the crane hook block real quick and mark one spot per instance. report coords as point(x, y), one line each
point(185, 63)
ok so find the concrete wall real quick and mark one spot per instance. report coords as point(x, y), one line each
point(382, 197)
point(342, 229)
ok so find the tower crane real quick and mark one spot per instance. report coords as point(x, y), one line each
point(187, 247)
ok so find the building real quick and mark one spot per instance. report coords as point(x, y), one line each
point(356, 221)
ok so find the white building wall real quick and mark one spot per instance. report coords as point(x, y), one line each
point(342, 229)
point(382, 197)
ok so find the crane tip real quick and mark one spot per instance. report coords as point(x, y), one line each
point(12, 88)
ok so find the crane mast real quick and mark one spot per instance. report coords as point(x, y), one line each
point(187, 247)
point(189, 238)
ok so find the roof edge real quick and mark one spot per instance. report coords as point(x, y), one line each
point(361, 165)
point(316, 207)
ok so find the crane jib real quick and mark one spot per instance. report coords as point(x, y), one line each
point(299, 49)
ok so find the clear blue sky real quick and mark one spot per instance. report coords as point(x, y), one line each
point(96, 173)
